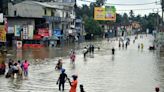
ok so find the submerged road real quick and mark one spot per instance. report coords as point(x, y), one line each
point(129, 70)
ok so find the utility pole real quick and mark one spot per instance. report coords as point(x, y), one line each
point(157, 19)
point(162, 4)
point(1, 6)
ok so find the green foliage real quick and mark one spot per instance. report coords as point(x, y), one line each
point(92, 27)
point(100, 2)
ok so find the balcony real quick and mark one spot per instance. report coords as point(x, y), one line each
point(66, 19)
point(72, 16)
point(78, 20)
point(72, 26)
point(52, 18)
point(78, 28)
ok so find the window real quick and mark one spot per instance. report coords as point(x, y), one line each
point(15, 13)
point(45, 12)
point(52, 13)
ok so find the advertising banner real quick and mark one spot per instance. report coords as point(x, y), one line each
point(10, 30)
point(30, 31)
point(2, 34)
point(110, 13)
point(57, 33)
point(107, 13)
point(17, 30)
point(43, 32)
point(19, 44)
point(25, 32)
point(99, 13)
point(1, 17)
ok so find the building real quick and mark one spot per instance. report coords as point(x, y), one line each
point(44, 19)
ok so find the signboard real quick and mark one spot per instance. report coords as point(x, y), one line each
point(99, 13)
point(10, 30)
point(17, 30)
point(110, 13)
point(43, 32)
point(107, 13)
point(2, 34)
point(19, 44)
point(1, 17)
point(30, 31)
point(57, 33)
point(52, 18)
point(25, 32)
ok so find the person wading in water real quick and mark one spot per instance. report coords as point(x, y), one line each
point(62, 79)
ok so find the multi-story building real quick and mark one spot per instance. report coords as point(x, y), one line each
point(45, 18)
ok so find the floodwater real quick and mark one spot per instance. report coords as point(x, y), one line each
point(130, 70)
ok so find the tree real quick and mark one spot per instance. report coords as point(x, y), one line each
point(100, 2)
point(131, 13)
point(118, 19)
point(92, 27)
point(125, 19)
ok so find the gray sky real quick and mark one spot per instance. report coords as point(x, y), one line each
point(136, 12)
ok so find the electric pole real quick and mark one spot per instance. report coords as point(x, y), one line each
point(162, 4)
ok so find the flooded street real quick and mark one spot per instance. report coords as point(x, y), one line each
point(130, 70)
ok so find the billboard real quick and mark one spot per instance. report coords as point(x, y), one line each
point(17, 30)
point(107, 13)
point(31, 31)
point(57, 33)
point(2, 34)
point(1, 17)
point(10, 30)
point(43, 32)
point(25, 32)
point(19, 44)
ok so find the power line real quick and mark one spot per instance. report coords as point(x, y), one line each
point(125, 4)
point(140, 9)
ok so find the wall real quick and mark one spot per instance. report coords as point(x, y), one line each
point(48, 10)
point(17, 21)
point(26, 9)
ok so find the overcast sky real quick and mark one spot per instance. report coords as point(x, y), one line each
point(136, 12)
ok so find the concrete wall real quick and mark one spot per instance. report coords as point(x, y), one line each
point(26, 9)
point(17, 21)
point(48, 10)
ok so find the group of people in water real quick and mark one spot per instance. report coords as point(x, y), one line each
point(63, 76)
point(89, 49)
point(122, 44)
point(17, 68)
